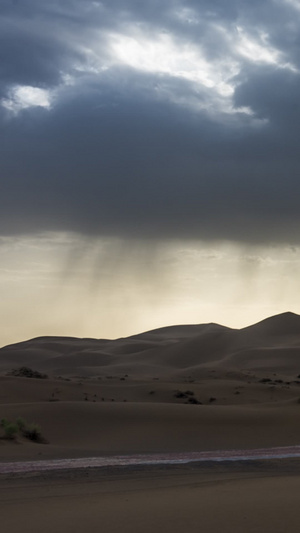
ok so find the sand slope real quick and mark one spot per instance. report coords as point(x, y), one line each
point(180, 388)
point(91, 429)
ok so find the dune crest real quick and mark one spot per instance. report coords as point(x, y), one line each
point(272, 344)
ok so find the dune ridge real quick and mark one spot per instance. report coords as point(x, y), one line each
point(272, 344)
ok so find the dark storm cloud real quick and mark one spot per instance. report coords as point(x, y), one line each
point(130, 153)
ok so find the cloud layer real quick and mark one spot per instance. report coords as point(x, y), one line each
point(155, 120)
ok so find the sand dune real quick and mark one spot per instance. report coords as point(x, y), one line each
point(271, 345)
point(175, 388)
point(282, 325)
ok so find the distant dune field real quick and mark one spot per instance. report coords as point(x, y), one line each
point(177, 388)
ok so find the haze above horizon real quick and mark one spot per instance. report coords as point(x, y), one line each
point(285, 323)
point(149, 165)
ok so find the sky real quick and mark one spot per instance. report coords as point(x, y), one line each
point(149, 164)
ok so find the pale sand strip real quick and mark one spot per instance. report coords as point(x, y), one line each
point(151, 459)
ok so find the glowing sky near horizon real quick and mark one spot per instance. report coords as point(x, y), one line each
point(56, 285)
point(149, 165)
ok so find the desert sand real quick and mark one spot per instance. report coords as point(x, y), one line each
point(175, 389)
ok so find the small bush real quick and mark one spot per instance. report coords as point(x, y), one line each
point(25, 372)
point(32, 432)
point(21, 427)
point(180, 394)
point(10, 429)
point(193, 400)
point(21, 424)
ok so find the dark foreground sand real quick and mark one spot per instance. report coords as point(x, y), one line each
point(232, 498)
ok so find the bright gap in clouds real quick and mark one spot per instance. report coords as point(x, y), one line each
point(24, 96)
point(162, 55)
point(257, 51)
point(260, 50)
point(62, 285)
point(214, 77)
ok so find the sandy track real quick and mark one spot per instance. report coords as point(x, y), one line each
point(150, 459)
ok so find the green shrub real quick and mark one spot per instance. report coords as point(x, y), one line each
point(10, 429)
point(21, 423)
point(29, 431)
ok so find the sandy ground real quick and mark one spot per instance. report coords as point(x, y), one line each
point(230, 499)
point(90, 429)
point(180, 389)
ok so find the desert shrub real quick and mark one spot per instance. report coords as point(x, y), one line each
point(179, 394)
point(22, 427)
point(21, 424)
point(10, 429)
point(26, 372)
point(32, 432)
point(193, 400)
